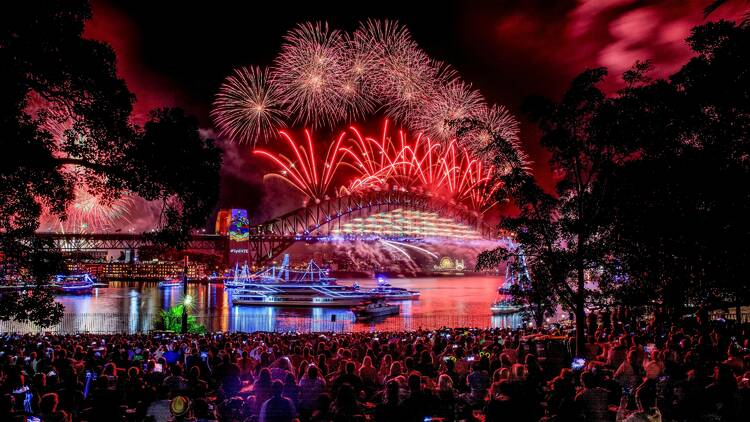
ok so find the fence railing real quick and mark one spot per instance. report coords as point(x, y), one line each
point(107, 323)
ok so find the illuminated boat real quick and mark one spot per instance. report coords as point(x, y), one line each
point(307, 287)
point(505, 306)
point(374, 308)
point(240, 277)
point(389, 292)
point(516, 274)
point(74, 283)
point(170, 283)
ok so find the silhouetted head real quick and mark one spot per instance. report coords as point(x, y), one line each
point(277, 388)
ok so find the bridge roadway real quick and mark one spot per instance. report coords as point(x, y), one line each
point(269, 239)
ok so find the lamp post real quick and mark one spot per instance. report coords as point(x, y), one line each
point(185, 303)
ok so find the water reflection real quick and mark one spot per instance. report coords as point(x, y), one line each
point(444, 301)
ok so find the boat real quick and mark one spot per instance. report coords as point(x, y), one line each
point(504, 304)
point(377, 307)
point(74, 283)
point(310, 286)
point(389, 292)
point(516, 274)
point(240, 277)
point(170, 283)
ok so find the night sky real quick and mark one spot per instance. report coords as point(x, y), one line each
point(175, 54)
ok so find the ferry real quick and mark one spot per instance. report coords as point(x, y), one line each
point(389, 292)
point(170, 283)
point(505, 305)
point(305, 287)
point(74, 283)
point(375, 308)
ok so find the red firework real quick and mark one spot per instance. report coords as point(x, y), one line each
point(386, 162)
point(303, 169)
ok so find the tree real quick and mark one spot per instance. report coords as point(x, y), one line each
point(65, 124)
point(680, 203)
point(564, 236)
point(534, 246)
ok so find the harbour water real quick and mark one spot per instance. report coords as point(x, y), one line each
point(133, 307)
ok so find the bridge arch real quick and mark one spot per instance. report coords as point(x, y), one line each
point(271, 238)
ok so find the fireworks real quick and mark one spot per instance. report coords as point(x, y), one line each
point(303, 169)
point(247, 107)
point(412, 164)
point(405, 77)
point(323, 77)
point(454, 102)
point(495, 120)
point(310, 74)
point(90, 213)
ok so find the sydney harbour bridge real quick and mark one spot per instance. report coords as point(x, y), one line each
point(311, 223)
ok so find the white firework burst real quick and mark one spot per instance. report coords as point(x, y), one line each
point(309, 74)
point(248, 107)
point(358, 84)
point(453, 101)
point(495, 121)
point(406, 76)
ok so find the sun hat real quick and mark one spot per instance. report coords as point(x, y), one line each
point(179, 405)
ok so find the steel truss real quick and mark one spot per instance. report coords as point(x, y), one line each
point(71, 242)
point(269, 239)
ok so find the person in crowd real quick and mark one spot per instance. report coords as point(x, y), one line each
point(389, 408)
point(479, 382)
point(262, 389)
point(291, 389)
point(630, 374)
point(419, 403)
point(277, 408)
point(345, 407)
point(48, 409)
point(645, 398)
point(312, 385)
point(592, 399)
point(677, 371)
point(368, 373)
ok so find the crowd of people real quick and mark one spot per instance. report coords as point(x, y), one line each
point(691, 371)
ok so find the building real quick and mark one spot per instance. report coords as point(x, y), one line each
point(144, 270)
point(235, 224)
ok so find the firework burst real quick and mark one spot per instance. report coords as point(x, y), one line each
point(455, 101)
point(310, 73)
point(385, 162)
point(304, 169)
point(406, 76)
point(91, 213)
point(494, 121)
point(248, 107)
point(358, 85)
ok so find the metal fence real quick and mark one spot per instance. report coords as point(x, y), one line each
point(108, 323)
